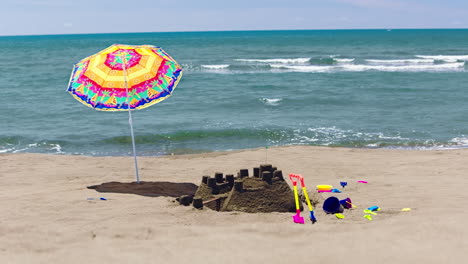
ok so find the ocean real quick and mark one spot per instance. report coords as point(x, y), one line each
point(247, 89)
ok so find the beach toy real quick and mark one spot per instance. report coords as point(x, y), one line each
point(100, 198)
point(369, 212)
point(369, 217)
point(349, 202)
point(406, 209)
point(335, 191)
point(306, 196)
point(343, 184)
point(297, 218)
point(324, 187)
point(332, 205)
point(362, 181)
point(346, 203)
point(339, 216)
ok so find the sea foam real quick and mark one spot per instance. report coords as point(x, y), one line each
point(406, 68)
point(446, 58)
point(6, 150)
point(365, 67)
point(304, 68)
point(460, 141)
point(216, 66)
point(272, 101)
point(343, 60)
point(282, 61)
point(401, 62)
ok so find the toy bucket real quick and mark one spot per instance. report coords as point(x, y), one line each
point(332, 205)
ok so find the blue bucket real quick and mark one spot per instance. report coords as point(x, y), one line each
point(332, 205)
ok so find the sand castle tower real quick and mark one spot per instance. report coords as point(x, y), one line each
point(264, 191)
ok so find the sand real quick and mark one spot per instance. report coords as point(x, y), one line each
point(46, 215)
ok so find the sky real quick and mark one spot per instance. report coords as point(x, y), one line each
point(43, 17)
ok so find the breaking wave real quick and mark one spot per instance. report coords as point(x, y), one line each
point(304, 68)
point(216, 66)
point(272, 102)
point(445, 58)
point(407, 68)
point(285, 61)
point(422, 63)
point(363, 67)
point(401, 62)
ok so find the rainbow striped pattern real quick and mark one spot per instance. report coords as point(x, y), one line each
point(123, 77)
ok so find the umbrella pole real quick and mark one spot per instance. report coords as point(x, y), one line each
point(133, 144)
point(130, 121)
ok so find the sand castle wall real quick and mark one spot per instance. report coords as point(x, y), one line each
point(264, 191)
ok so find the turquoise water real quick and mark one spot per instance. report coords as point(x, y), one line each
point(352, 88)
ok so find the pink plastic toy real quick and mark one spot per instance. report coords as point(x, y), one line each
point(362, 181)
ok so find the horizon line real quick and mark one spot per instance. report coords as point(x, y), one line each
point(235, 30)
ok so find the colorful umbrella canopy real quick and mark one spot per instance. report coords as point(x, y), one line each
point(124, 78)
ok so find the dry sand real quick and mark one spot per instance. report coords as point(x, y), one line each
point(45, 216)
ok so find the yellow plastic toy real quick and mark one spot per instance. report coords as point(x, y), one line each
point(339, 216)
point(369, 217)
point(369, 212)
point(324, 187)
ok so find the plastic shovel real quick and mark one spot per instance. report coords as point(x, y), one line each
point(311, 209)
point(294, 178)
point(297, 218)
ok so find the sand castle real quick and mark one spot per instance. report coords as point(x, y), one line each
point(266, 191)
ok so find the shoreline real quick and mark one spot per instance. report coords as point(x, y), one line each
point(200, 152)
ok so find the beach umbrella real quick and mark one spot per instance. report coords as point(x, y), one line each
point(125, 78)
